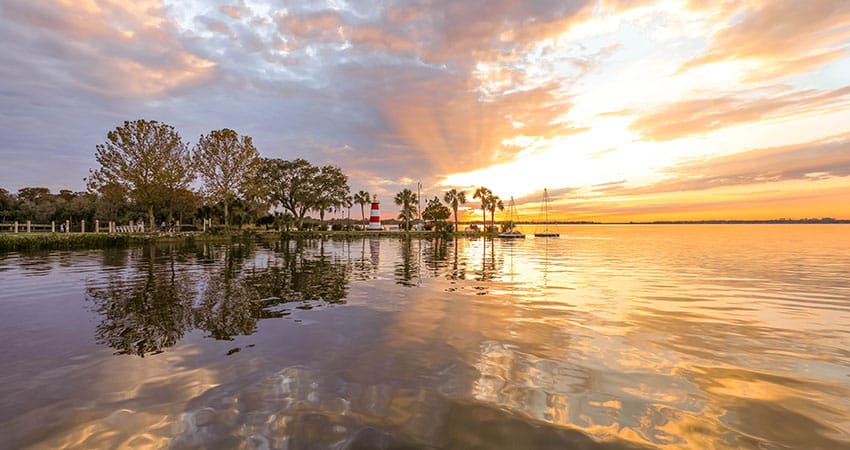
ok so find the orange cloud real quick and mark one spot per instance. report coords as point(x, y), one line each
point(232, 11)
point(812, 161)
point(783, 36)
point(795, 181)
point(128, 48)
point(457, 130)
point(695, 116)
point(319, 27)
point(374, 37)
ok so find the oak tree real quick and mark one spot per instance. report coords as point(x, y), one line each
point(227, 164)
point(148, 158)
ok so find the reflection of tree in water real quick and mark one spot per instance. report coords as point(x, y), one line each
point(115, 257)
point(489, 265)
point(436, 255)
point(236, 298)
point(407, 269)
point(144, 314)
point(147, 313)
point(458, 271)
point(364, 267)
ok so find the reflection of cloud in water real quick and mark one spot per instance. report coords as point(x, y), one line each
point(138, 409)
point(299, 407)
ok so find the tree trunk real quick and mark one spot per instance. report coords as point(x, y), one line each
point(455, 209)
point(226, 216)
point(150, 216)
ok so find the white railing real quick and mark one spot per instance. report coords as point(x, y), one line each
point(65, 227)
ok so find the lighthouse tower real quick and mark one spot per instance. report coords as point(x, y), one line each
point(375, 214)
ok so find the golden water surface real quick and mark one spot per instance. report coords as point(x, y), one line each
point(607, 337)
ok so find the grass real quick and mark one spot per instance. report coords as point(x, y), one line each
point(67, 241)
point(58, 241)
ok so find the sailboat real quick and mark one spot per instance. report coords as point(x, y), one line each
point(510, 232)
point(546, 232)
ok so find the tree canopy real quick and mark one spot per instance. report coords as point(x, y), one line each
point(436, 212)
point(362, 198)
point(298, 186)
point(483, 194)
point(455, 198)
point(407, 200)
point(227, 165)
point(148, 158)
point(331, 190)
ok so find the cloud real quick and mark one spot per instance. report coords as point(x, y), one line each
point(110, 48)
point(232, 11)
point(215, 26)
point(700, 115)
point(810, 161)
point(397, 90)
point(316, 27)
point(783, 36)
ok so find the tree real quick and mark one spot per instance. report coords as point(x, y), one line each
point(36, 203)
point(484, 195)
point(331, 190)
point(290, 184)
point(6, 204)
point(362, 198)
point(349, 202)
point(148, 158)
point(298, 186)
point(34, 194)
point(186, 202)
point(407, 200)
point(111, 201)
point(227, 165)
point(82, 206)
point(454, 199)
point(494, 202)
point(435, 212)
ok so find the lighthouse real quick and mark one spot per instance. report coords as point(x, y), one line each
point(375, 214)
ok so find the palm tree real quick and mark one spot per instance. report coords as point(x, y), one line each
point(322, 205)
point(348, 202)
point(454, 199)
point(484, 194)
point(407, 200)
point(494, 203)
point(362, 198)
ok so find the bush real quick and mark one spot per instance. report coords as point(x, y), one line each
point(445, 228)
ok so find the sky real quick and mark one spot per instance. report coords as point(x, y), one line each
point(622, 109)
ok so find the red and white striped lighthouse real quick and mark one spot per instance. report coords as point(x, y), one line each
point(375, 214)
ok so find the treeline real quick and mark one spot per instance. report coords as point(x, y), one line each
point(147, 171)
point(41, 206)
point(149, 165)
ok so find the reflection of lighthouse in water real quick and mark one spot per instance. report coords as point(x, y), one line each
point(375, 250)
point(375, 214)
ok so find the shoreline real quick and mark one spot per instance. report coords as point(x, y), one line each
point(80, 241)
point(10, 242)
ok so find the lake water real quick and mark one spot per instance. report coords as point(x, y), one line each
point(728, 336)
